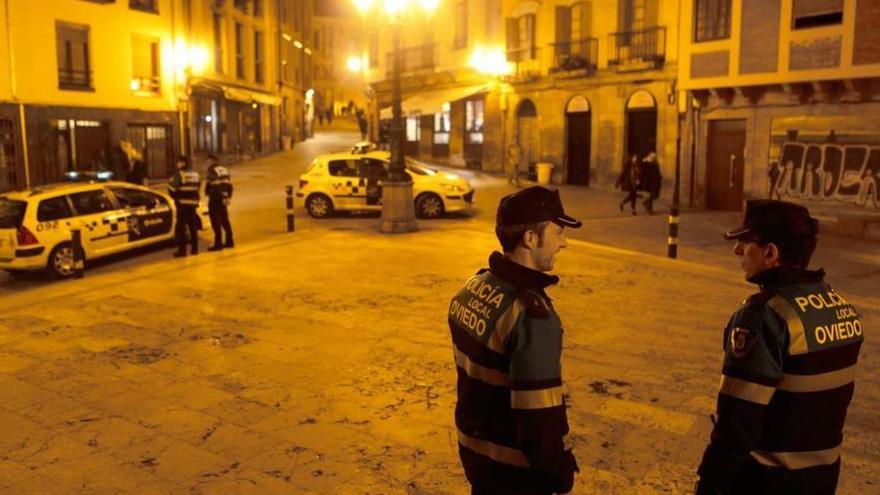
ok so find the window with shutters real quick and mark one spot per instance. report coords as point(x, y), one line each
point(460, 38)
point(145, 64)
point(712, 20)
point(74, 65)
point(521, 38)
point(239, 50)
point(816, 13)
point(258, 56)
point(218, 42)
point(151, 6)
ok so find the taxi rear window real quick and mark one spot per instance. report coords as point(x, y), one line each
point(11, 213)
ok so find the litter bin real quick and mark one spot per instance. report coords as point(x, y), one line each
point(544, 171)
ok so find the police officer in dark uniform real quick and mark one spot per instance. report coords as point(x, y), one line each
point(790, 354)
point(218, 187)
point(183, 186)
point(507, 342)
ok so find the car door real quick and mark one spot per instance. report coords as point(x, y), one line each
point(149, 214)
point(104, 226)
point(345, 184)
point(373, 172)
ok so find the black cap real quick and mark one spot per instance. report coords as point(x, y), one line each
point(770, 220)
point(533, 205)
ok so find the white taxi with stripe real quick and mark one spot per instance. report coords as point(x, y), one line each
point(36, 224)
point(353, 181)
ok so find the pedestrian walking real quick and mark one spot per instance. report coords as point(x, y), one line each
point(320, 117)
point(218, 187)
point(630, 179)
point(362, 123)
point(514, 155)
point(507, 340)
point(183, 187)
point(651, 179)
point(790, 354)
point(330, 115)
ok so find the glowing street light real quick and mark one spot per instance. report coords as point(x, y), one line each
point(354, 64)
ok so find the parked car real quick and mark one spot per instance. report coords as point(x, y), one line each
point(35, 224)
point(353, 182)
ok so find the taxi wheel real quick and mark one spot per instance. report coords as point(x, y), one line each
point(429, 205)
point(319, 206)
point(60, 262)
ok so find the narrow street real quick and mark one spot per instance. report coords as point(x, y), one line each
point(319, 362)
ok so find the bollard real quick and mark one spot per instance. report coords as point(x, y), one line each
point(290, 218)
point(672, 248)
point(78, 254)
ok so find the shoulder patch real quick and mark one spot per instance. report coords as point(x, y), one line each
point(742, 341)
point(534, 305)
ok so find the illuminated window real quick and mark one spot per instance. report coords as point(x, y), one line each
point(144, 64)
point(474, 121)
point(442, 124)
point(413, 133)
point(712, 20)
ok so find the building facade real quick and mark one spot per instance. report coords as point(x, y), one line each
point(585, 84)
point(168, 76)
point(340, 62)
point(787, 94)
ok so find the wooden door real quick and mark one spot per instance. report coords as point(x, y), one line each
point(725, 164)
point(641, 135)
point(578, 155)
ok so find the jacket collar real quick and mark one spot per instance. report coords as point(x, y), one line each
point(520, 276)
point(785, 275)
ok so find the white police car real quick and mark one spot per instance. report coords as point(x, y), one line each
point(35, 224)
point(353, 181)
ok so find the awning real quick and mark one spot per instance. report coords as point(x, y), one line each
point(237, 94)
point(432, 102)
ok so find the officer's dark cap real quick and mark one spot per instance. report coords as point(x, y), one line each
point(533, 205)
point(771, 220)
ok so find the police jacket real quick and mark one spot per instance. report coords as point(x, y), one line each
point(218, 183)
point(790, 353)
point(183, 186)
point(510, 414)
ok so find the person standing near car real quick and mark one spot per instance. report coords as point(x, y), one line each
point(788, 375)
point(183, 187)
point(507, 343)
point(218, 187)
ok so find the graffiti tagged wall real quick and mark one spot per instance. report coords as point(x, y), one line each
point(827, 159)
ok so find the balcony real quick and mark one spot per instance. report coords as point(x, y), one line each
point(412, 59)
point(76, 79)
point(526, 61)
point(637, 50)
point(576, 56)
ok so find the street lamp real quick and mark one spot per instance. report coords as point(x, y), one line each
point(398, 214)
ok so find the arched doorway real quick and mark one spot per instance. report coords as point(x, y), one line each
point(528, 134)
point(578, 129)
point(641, 124)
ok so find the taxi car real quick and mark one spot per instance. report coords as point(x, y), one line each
point(35, 224)
point(353, 181)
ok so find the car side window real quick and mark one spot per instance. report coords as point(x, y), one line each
point(53, 209)
point(343, 168)
point(373, 169)
point(89, 202)
point(133, 198)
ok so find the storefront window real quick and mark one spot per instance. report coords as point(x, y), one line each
point(474, 121)
point(412, 127)
point(442, 124)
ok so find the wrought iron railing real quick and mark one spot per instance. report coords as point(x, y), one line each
point(412, 59)
point(576, 54)
point(526, 60)
point(74, 78)
point(635, 47)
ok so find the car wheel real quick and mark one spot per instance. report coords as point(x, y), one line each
point(319, 206)
point(429, 205)
point(60, 262)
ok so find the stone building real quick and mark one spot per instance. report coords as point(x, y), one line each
point(787, 95)
point(341, 56)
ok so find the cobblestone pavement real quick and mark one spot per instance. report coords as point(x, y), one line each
point(320, 362)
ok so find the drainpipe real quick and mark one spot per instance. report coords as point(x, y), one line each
point(14, 88)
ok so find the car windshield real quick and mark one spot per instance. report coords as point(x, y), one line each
point(11, 213)
point(419, 168)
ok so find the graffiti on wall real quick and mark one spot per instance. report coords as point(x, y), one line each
point(824, 165)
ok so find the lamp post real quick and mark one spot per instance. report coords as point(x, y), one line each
point(398, 213)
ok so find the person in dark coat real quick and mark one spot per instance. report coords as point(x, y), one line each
point(362, 123)
point(120, 163)
point(629, 181)
point(652, 180)
point(137, 172)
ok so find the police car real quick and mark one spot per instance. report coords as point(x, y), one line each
point(35, 224)
point(353, 181)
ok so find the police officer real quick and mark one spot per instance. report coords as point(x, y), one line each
point(507, 341)
point(790, 353)
point(218, 187)
point(183, 186)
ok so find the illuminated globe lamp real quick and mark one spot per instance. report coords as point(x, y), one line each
point(398, 212)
